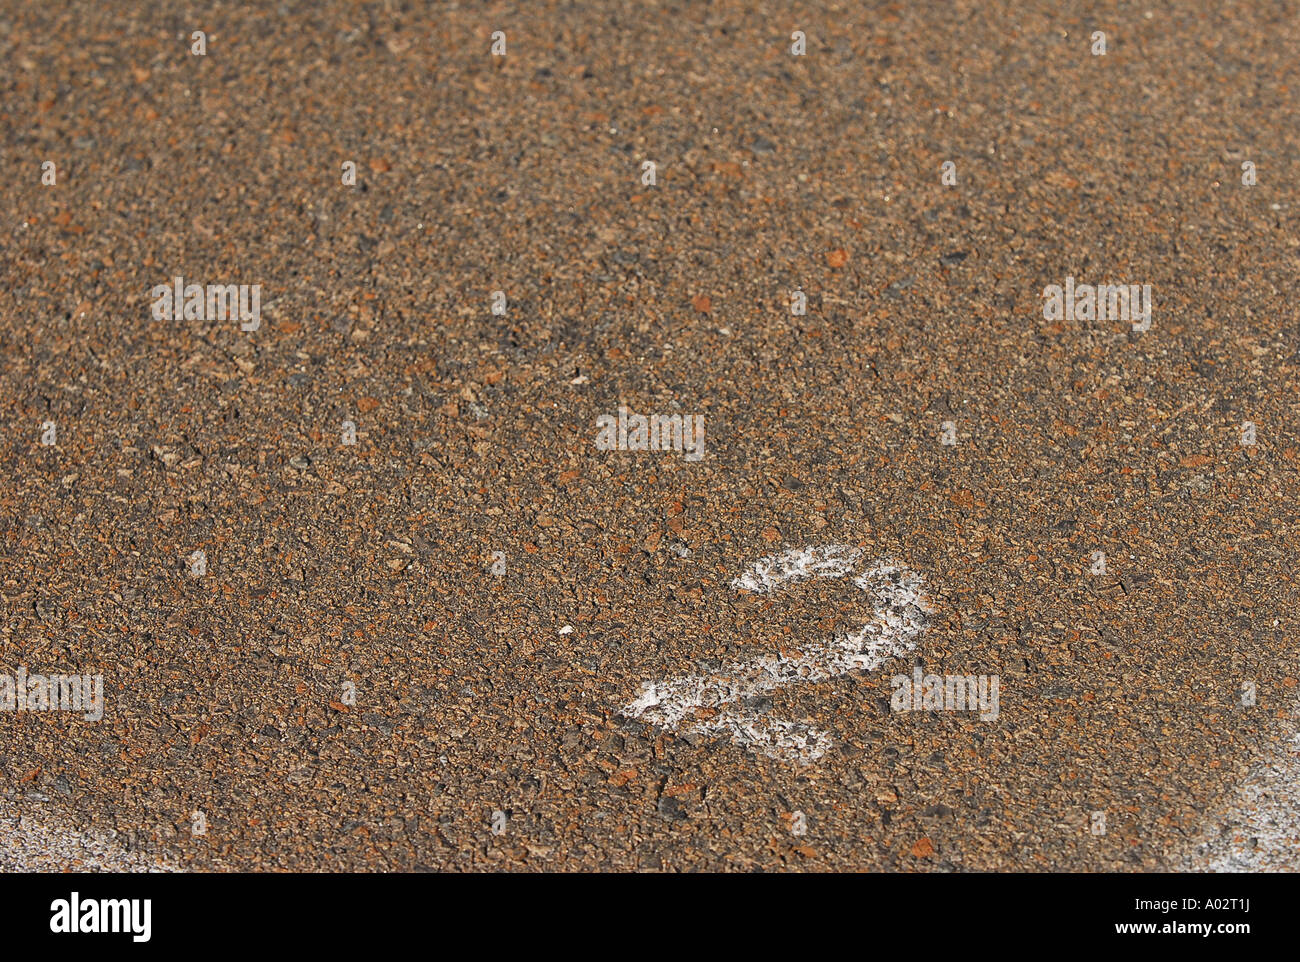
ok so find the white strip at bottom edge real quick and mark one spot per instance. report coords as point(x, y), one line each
point(31, 842)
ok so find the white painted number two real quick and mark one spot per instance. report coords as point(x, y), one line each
point(714, 703)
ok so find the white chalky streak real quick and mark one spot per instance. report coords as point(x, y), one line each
point(1260, 829)
point(900, 617)
point(31, 843)
point(776, 571)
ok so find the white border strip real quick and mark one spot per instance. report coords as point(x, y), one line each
point(1260, 830)
point(28, 844)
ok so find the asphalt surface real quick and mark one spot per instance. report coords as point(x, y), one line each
point(334, 568)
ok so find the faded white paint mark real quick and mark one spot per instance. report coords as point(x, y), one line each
point(38, 844)
point(779, 570)
point(1260, 830)
point(712, 704)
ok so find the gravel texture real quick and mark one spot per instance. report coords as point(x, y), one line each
point(350, 685)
